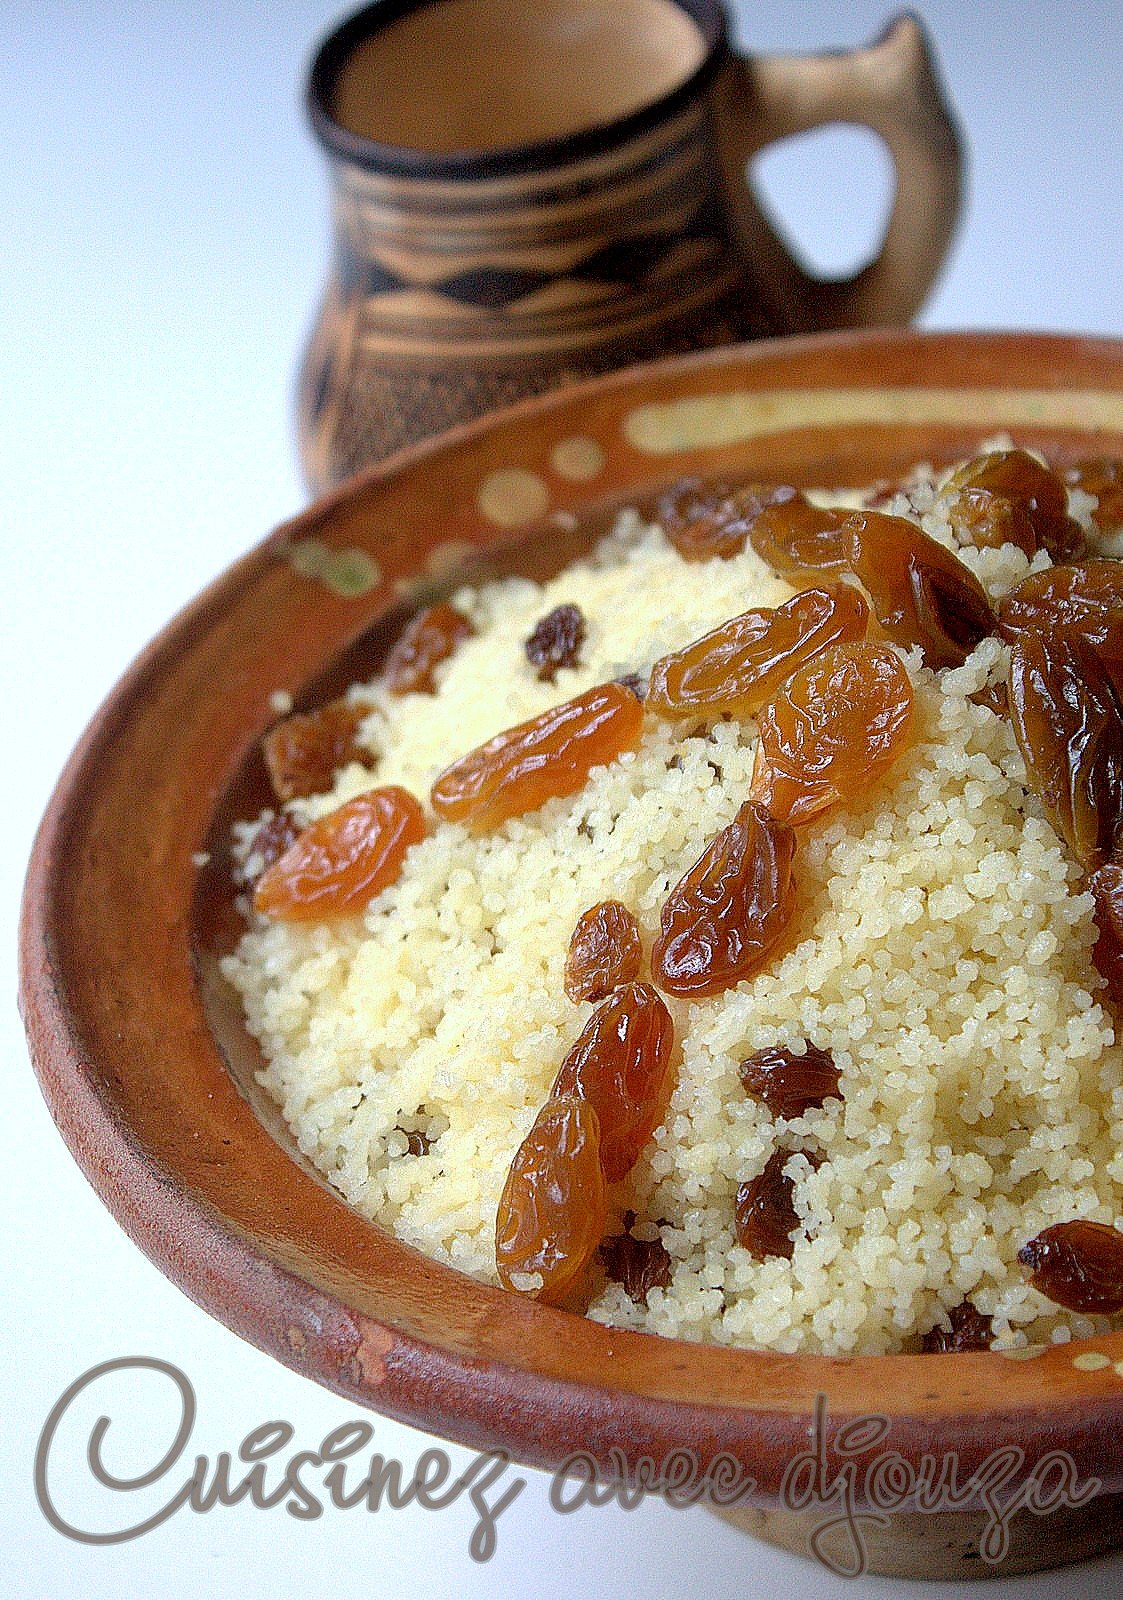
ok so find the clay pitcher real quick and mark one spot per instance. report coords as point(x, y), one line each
point(527, 193)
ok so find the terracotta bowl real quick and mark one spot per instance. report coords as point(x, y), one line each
point(149, 1072)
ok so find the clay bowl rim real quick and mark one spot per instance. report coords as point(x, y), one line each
point(197, 1181)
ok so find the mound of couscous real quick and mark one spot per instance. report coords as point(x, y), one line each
point(940, 952)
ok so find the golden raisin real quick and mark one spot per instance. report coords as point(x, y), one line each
point(621, 1064)
point(638, 1265)
point(790, 1084)
point(550, 755)
point(341, 861)
point(1069, 727)
point(1085, 597)
point(766, 1214)
point(303, 753)
point(795, 537)
point(705, 519)
point(970, 1330)
point(553, 1208)
point(428, 639)
point(986, 520)
point(1078, 1265)
point(1103, 477)
point(833, 729)
point(736, 667)
point(921, 593)
point(604, 952)
point(556, 641)
point(1021, 478)
point(722, 920)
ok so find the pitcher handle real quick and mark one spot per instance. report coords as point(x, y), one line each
point(891, 87)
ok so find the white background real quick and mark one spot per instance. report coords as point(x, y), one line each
point(164, 236)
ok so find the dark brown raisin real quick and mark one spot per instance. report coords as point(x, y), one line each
point(638, 1265)
point(766, 1214)
point(1078, 1265)
point(556, 641)
point(417, 1143)
point(970, 1330)
point(791, 1084)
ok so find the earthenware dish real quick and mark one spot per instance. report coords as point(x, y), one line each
point(149, 1072)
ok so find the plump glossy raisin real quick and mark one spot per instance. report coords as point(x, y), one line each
point(921, 593)
point(303, 753)
point(417, 1143)
point(833, 729)
point(1103, 477)
point(638, 1265)
point(604, 952)
point(704, 519)
point(986, 520)
point(556, 641)
point(553, 1208)
point(270, 842)
point(723, 919)
point(1106, 884)
point(342, 860)
point(970, 1330)
point(550, 755)
point(766, 1214)
point(795, 538)
point(1079, 1265)
point(428, 639)
point(1085, 597)
point(736, 667)
point(788, 1083)
point(1021, 478)
point(1069, 727)
point(621, 1064)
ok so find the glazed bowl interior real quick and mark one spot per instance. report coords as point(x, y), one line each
point(141, 1048)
